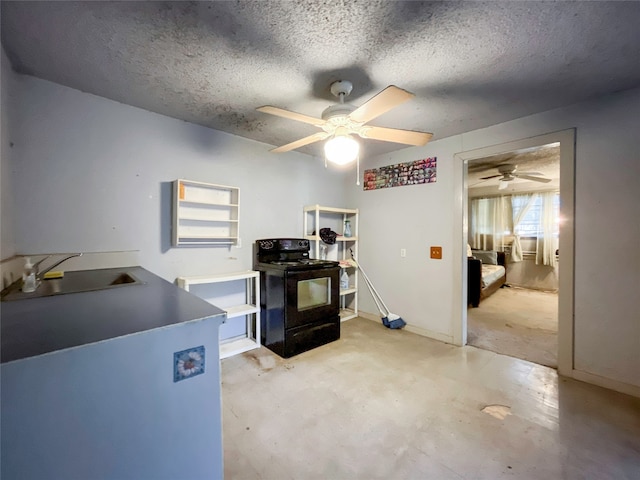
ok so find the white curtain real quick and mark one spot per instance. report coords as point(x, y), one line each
point(547, 241)
point(521, 204)
point(491, 220)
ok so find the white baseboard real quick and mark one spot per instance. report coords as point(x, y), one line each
point(410, 328)
point(627, 388)
point(430, 334)
point(586, 377)
point(369, 316)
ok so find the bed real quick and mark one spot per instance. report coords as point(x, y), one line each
point(486, 273)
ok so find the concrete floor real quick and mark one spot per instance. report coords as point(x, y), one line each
point(390, 404)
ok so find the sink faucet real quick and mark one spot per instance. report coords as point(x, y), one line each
point(40, 274)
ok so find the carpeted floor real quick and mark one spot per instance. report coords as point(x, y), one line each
point(517, 322)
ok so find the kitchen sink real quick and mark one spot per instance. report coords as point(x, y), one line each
point(74, 282)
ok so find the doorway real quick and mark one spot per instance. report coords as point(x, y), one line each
point(566, 141)
point(512, 205)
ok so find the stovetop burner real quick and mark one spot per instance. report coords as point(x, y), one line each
point(305, 264)
point(318, 262)
point(288, 254)
point(304, 261)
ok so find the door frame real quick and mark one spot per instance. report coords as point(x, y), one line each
point(566, 283)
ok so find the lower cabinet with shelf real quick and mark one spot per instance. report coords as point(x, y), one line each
point(218, 290)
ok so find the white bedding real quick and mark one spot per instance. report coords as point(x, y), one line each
point(491, 273)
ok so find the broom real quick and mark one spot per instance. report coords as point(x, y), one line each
point(389, 320)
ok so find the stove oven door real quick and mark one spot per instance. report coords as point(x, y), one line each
point(312, 296)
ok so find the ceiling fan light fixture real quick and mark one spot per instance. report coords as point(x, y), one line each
point(341, 149)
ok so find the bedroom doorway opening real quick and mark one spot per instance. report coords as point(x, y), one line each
point(513, 203)
point(539, 294)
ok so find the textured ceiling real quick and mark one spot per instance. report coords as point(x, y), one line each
point(544, 161)
point(470, 64)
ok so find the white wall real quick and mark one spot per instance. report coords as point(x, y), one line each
point(7, 82)
point(413, 218)
point(92, 175)
point(607, 231)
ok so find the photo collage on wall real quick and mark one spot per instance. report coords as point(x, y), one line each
point(401, 174)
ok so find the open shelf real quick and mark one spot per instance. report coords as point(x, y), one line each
point(339, 238)
point(250, 309)
point(199, 219)
point(234, 346)
point(317, 217)
point(187, 237)
point(196, 202)
point(347, 291)
point(347, 314)
point(240, 310)
point(205, 214)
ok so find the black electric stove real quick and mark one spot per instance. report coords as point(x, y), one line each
point(299, 296)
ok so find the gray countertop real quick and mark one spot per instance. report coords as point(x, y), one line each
point(47, 324)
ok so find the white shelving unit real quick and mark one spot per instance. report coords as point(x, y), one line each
point(317, 217)
point(250, 309)
point(205, 214)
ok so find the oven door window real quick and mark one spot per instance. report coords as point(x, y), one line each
point(314, 293)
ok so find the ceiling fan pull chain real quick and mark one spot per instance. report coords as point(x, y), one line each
point(357, 170)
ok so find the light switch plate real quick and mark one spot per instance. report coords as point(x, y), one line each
point(436, 252)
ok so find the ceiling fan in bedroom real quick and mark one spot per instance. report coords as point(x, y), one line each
point(508, 173)
point(341, 122)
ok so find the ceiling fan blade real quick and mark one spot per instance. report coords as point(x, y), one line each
point(407, 137)
point(530, 173)
point(476, 184)
point(503, 185)
point(280, 112)
point(491, 176)
point(316, 137)
point(384, 101)
point(535, 179)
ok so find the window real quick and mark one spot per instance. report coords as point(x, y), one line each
point(531, 224)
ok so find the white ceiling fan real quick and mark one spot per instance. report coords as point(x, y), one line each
point(508, 173)
point(339, 122)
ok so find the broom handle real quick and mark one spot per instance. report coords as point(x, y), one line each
point(379, 297)
point(374, 293)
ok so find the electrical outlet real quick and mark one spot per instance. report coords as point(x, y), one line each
point(436, 252)
point(403, 252)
